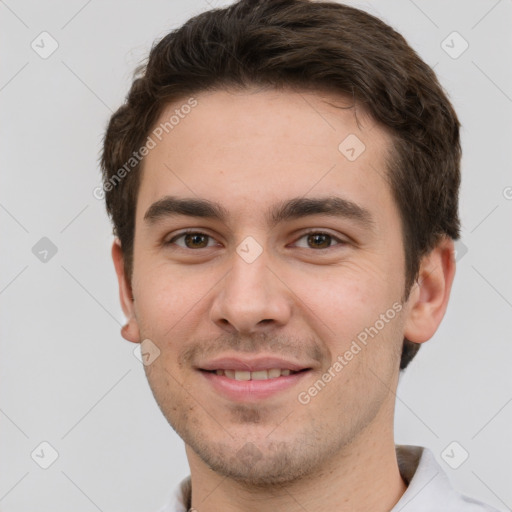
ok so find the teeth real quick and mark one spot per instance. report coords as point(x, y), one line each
point(242, 375)
point(272, 373)
point(259, 375)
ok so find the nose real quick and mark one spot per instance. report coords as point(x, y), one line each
point(252, 298)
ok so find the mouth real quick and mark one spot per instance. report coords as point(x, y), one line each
point(244, 375)
point(252, 380)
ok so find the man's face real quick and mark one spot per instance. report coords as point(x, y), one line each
point(272, 294)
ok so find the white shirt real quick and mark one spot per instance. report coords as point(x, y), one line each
point(428, 490)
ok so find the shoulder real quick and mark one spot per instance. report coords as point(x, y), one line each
point(179, 499)
point(429, 487)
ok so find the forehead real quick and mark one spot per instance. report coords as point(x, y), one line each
point(250, 149)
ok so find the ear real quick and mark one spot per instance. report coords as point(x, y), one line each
point(130, 331)
point(429, 296)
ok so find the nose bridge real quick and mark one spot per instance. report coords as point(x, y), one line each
point(251, 297)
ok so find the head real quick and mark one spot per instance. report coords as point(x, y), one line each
point(315, 158)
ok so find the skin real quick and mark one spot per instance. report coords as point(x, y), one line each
point(302, 299)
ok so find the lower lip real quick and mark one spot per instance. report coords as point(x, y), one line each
point(249, 390)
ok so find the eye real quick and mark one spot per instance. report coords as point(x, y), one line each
point(320, 240)
point(192, 240)
point(200, 240)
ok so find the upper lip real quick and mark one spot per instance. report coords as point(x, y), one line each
point(251, 364)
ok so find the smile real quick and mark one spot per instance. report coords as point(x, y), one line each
point(242, 386)
point(272, 373)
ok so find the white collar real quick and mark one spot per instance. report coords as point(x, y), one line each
point(428, 490)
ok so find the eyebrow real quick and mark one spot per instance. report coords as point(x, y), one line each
point(291, 209)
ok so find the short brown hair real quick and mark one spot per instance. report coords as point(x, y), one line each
point(303, 45)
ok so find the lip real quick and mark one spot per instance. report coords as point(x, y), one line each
point(252, 365)
point(252, 390)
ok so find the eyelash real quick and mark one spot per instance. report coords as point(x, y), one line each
point(312, 232)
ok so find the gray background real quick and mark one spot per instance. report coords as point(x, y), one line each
point(67, 376)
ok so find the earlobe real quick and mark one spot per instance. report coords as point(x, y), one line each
point(429, 299)
point(130, 331)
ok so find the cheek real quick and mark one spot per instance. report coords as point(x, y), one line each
point(165, 298)
point(346, 295)
point(352, 304)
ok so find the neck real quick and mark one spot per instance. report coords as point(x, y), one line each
point(364, 477)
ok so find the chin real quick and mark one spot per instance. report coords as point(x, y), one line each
point(255, 465)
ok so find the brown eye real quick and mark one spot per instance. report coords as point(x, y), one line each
point(192, 240)
point(196, 240)
point(319, 240)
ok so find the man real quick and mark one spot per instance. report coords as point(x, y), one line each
point(283, 182)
